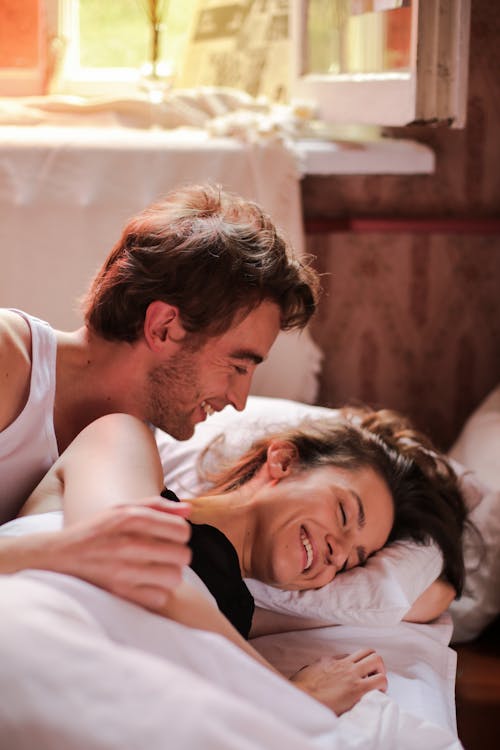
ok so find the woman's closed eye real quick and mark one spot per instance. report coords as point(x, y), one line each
point(343, 514)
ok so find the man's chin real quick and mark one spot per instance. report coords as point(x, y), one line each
point(183, 433)
point(179, 431)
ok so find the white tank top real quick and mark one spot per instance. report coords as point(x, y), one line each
point(28, 446)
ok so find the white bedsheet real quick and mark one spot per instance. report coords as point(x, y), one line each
point(100, 673)
point(420, 667)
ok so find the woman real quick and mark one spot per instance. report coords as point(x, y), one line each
point(298, 508)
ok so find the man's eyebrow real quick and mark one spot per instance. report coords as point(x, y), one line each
point(248, 355)
point(361, 510)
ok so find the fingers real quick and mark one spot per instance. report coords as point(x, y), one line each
point(362, 653)
point(134, 551)
point(182, 509)
point(137, 549)
point(142, 519)
point(151, 590)
point(374, 682)
point(149, 597)
point(341, 683)
point(371, 669)
point(367, 661)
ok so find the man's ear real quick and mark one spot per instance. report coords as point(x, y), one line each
point(162, 325)
point(282, 456)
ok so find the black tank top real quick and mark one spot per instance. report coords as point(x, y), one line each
point(215, 561)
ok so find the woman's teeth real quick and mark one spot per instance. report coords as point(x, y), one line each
point(207, 408)
point(308, 548)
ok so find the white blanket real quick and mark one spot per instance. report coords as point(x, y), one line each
point(99, 672)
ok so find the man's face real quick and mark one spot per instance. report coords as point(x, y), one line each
point(194, 383)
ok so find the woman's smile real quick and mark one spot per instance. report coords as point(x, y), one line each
point(308, 549)
point(309, 526)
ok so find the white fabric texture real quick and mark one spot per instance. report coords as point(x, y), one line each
point(478, 448)
point(28, 446)
point(478, 445)
point(420, 667)
point(378, 594)
point(105, 674)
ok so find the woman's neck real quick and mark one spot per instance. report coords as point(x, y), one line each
point(230, 512)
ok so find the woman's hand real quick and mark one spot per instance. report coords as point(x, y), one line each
point(340, 683)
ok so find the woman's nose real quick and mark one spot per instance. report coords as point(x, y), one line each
point(337, 553)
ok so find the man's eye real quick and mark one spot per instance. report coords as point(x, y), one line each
point(241, 370)
point(344, 517)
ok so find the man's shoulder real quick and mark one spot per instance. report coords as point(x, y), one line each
point(15, 337)
point(15, 365)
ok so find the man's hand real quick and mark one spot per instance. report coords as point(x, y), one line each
point(134, 551)
point(341, 683)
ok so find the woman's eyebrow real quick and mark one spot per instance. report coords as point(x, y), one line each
point(361, 555)
point(361, 510)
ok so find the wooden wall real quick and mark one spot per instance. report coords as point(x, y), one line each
point(412, 320)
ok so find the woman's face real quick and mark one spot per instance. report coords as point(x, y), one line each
point(316, 523)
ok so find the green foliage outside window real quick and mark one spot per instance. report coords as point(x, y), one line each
point(117, 33)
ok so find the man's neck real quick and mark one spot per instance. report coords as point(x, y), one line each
point(94, 377)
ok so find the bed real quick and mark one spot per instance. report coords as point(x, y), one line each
point(367, 606)
point(105, 674)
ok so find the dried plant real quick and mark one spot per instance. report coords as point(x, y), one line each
point(155, 12)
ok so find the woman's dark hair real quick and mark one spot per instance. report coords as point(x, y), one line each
point(428, 504)
point(212, 254)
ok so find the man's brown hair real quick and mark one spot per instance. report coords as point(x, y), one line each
point(212, 254)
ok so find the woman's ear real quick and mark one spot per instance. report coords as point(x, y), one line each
point(162, 325)
point(282, 455)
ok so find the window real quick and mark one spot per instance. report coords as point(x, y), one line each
point(385, 62)
point(380, 62)
point(112, 46)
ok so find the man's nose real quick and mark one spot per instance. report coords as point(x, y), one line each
point(238, 392)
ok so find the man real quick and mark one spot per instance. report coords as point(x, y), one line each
point(184, 308)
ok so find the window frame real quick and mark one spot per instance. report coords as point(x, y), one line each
point(434, 90)
point(75, 80)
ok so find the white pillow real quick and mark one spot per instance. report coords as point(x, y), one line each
point(478, 445)
point(380, 593)
point(240, 429)
point(478, 448)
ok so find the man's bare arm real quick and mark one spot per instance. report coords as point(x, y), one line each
point(114, 537)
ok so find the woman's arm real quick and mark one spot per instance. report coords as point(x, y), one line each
point(117, 458)
point(432, 603)
point(113, 461)
point(338, 683)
